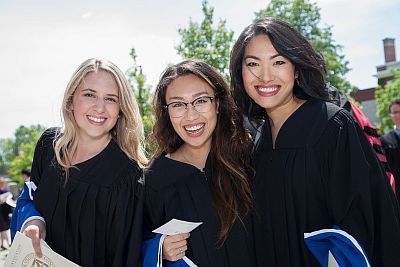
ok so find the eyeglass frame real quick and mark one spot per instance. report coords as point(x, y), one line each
point(192, 103)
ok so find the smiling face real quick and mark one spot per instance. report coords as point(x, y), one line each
point(268, 77)
point(193, 127)
point(95, 106)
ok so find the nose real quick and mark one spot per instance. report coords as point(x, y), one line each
point(191, 113)
point(266, 74)
point(100, 105)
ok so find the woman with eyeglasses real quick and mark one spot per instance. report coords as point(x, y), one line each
point(200, 172)
point(314, 168)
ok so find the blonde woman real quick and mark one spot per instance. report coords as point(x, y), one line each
point(88, 175)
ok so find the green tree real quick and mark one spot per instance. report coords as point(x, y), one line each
point(385, 95)
point(26, 135)
point(19, 151)
point(305, 17)
point(207, 42)
point(6, 154)
point(22, 161)
point(143, 96)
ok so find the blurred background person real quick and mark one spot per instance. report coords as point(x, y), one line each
point(391, 144)
point(5, 214)
point(26, 175)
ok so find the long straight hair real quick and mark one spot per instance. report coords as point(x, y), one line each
point(128, 130)
point(230, 145)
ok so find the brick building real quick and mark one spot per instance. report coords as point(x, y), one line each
point(383, 73)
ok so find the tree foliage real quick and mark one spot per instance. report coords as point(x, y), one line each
point(16, 153)
point(385, 95)
point(6, 154)
point(26, 135)
point(143, 96)
point(23, 160)
point(305, 17)
point(207, 42)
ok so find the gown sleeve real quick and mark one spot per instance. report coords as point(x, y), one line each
point(152, 243)
point(43, 151)
point(124, 227)
point(153, 210)
point(25, 210)
point(359, 197)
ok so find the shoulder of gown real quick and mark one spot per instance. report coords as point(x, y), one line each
point(164, 172)
point(44, 153)
point(359, 196)
point(303, 127)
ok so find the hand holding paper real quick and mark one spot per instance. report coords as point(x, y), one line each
point(176, 226)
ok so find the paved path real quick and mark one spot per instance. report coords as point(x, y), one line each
point(3, 255)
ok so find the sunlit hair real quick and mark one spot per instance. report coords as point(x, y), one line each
point(289, 43)
point(128, 131)
point(230, 147)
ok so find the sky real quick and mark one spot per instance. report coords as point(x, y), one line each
point(42, 42)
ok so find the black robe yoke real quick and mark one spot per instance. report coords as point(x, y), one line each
point(322, 172)
point(95, 218)
point(181, 191)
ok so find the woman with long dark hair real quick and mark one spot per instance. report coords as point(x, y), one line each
point(314, 167)
point(200, 172)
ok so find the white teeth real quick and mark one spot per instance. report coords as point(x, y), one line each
point(194, 128)
point(267, 89)
point(96, 119)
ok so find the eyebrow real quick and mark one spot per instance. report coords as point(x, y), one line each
point(257, 58)
point(195, 95)
point(94, 91)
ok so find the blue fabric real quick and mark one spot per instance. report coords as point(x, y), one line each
point(150, 254)
point(343, 249)
point(24, 209)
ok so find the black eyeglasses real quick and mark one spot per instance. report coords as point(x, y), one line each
point(202, 104)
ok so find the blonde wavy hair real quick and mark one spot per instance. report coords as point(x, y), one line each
point(128, 131)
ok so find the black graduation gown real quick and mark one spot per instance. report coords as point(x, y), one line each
point(95, 218)
point(391, 145)
point(322, 172)
point(179, 190)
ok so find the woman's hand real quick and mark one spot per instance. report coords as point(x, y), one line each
point(175, 246)
point(36, 230)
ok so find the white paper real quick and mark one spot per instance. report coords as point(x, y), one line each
point(176, 226)
point(5, 196)
point(331, 260)
point(22, 254)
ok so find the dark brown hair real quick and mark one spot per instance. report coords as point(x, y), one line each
point(394, 102)
point(289, 43)
point(230, 147)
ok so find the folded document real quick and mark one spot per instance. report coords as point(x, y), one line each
point(22, 254)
